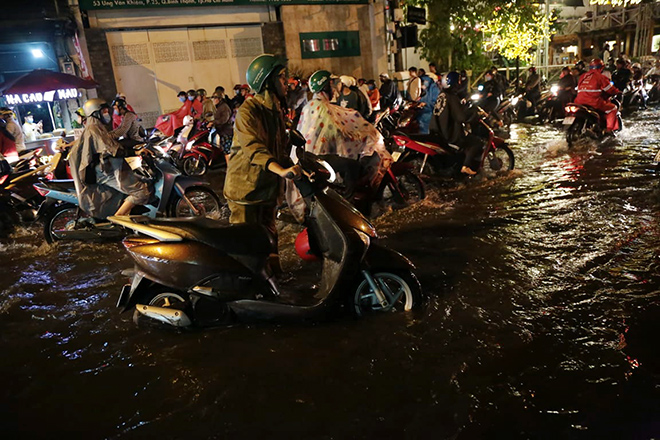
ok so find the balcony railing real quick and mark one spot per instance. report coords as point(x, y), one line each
point(614, 19)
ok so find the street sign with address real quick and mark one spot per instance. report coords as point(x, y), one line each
point(135, 4)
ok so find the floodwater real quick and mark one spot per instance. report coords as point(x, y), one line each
point(542, 323)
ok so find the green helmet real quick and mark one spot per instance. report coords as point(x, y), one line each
point(318, 80)
point(260, 69)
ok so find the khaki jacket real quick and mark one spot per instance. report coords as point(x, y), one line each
point(259, 138)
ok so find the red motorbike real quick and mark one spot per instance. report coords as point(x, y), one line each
point(443, 156)
point(198, 154)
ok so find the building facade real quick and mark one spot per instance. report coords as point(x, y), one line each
point(633, 31)
point(151, 50)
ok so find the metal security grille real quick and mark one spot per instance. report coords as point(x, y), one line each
point(171, 51)
point(130, 54)
point(209, 50)
point(246, 47)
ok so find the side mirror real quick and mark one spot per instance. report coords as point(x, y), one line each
point(296, 138)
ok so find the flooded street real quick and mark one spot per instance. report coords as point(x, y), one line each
point(541, 323)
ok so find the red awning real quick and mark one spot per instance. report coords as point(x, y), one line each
point(42, 81)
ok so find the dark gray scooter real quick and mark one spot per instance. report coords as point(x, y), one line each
point(199, 272)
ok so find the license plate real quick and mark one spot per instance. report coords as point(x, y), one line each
point(569, 120)
point(396, 155)
point(123, 296)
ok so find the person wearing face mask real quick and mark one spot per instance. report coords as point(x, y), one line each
point(129, 129)
point(196, 110)
point(105, 184)
point(374, 95)
point(116, 117)
point(259, 159)
point(168, 123)
point(30, 129)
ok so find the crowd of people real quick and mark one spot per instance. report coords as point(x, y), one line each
point(334, 113)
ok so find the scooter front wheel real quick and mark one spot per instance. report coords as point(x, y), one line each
point(205, 201)
point(61, 219)
point(194, 166)
point(402, 291)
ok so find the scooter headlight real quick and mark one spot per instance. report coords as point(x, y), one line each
point(514, 100)
point(554, 89)
point(475, 97)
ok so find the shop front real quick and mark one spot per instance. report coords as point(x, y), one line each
point(44, 103)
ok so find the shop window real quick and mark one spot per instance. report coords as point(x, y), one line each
point(330, 44)
point(656, 43)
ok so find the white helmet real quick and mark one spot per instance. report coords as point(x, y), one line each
point(188, 120)
point(348, 81)
point(94, 105)
point(636, 66)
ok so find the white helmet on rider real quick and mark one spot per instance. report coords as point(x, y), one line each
point(636, 66)
point(348, 81)
point(93, 105)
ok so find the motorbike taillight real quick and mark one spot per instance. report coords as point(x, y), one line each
point(3, 178)
point(570, 109)
point(43, 191)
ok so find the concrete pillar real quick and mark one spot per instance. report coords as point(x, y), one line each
point(101, 63)
point(272, 35)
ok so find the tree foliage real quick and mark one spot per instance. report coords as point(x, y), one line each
point(459, 32)
point(516, 29)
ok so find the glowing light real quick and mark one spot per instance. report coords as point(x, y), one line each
point(615, 3)
point(513, 36)
point(37, 53)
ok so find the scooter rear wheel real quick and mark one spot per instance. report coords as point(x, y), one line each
point(499, 161)
point(403, 291)
point(159, 297)
point(573, 132)
point(411, 188)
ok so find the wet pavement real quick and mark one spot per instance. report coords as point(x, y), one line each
point(542, 323)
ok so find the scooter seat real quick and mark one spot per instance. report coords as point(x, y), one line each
point(61, 184)
point(246, 239)
point(434, 140)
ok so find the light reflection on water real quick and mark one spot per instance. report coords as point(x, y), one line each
point(540, 282)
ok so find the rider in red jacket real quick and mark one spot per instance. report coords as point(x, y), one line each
point(592, 87)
